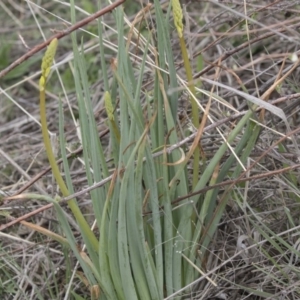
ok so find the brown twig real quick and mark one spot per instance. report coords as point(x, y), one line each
point(60, 35)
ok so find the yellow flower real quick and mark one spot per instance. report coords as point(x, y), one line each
point(48, 58)
point(177, 13)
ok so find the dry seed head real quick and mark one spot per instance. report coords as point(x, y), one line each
point(48, 58)
point(177, 13)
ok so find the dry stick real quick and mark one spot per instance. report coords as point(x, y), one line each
point(60, 35)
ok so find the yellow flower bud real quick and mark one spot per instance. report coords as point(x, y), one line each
point(108, 106)
point(177, 13)
point(48, 58)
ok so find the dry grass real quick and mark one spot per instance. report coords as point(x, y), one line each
point(252, 254)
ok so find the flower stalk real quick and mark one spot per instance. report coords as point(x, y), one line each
point(178, 16)
point(46, 67)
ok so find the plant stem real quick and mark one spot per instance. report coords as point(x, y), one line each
point(57, 175)
point(195, 110)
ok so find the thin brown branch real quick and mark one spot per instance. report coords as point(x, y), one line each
point(60, 35)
